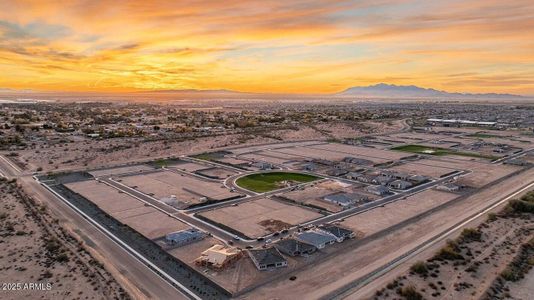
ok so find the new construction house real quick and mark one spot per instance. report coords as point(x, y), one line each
point(340, 233)
point(293, 247)
point(268, 258)
point(218, 257)
point(184, 237)
point(319, 239)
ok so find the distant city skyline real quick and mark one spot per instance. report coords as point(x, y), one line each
point(313, 47)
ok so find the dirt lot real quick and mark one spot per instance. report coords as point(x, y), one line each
point(376, 155)
point(188, 166)
point(311, 153)
point(423, 167)
point(219, 173)
point(232, 161)
point(106, 197)
point(271, 157)
point(153, 224)
point(246, 217)
point(482, 172)
point(121, 170)
point(419, 137)
point(243, 150)
point(382, 217)
point(36, 249)
point(187, 189)
point(128, 210)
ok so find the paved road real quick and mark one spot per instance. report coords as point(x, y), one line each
point(225, 236)
point(136, 277)
point(180, 215)
point(516, 155)
point(7, 168)
point(383, 201)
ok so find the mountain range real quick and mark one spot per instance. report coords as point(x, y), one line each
point(383, 90)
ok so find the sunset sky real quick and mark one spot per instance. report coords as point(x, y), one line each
point(267, 46)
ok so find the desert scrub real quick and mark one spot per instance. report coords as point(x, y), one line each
point(451, 251)
point(409, 293)
point(420, 268)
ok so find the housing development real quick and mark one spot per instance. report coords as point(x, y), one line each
point(267, 150)
point(270, 219)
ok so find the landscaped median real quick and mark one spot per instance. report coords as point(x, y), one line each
point(265, 182)
point(419, 149)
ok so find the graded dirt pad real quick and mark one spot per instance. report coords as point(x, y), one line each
point(422, 167)
point(459, 130)
point(271, 157)
point(107, 198)
point(214, 172)
point(35, 249)
point(128, 210)
point(187, 189)
point(433, 140)
point(356, 260)
point(380, 218)
point(250, 149)
point(421, 136)
point(311, 153)
point(481, 174)
point(521, 142)
point(279, 155)
point(373, 154)
point(121, 170)
point(153, 224)
point(232, 161)
point(246, 217)
point(188, 166)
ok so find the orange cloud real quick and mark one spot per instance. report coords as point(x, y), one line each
point(267, 46)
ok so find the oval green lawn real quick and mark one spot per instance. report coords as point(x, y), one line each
point(265, 182)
